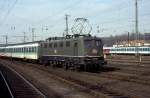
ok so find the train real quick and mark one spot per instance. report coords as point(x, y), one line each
point(131, 50)
point(79, 52)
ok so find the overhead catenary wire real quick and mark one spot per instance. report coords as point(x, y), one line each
point(8, 12)
point(59, 12)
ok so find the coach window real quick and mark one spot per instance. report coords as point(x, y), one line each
point(27, 49)
point(146, 49)
point(67, 44)
point(32, 49)
point(35, 49)
point(22, 50)
point(55, 45)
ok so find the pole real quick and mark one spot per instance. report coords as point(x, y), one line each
point(24, 37)
point(66, 18)
point(128, 39)
point(136, 26)
point(32, 34)
point(6, 39)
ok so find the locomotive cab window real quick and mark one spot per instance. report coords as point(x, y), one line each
point(98, 43)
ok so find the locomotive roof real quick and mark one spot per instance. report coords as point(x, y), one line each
point(69, 39)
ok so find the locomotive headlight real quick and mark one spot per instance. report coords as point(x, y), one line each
point(94, 51)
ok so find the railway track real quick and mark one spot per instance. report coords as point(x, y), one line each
point(20, 87)
point(132, 69)
point(101, 88)
point(5, 91)
point(123, 77)
point(129, 62)
point(96, 90)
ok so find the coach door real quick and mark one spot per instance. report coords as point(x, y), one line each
point(75, 49)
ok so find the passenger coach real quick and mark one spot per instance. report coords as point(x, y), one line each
point(28, 50)
point(142, 50)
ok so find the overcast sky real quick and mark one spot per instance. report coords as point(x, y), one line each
point(114, 17)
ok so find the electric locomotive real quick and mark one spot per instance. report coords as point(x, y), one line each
point(75, 51)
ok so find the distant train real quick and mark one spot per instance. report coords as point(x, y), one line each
point(77, 51)
point(142, 50)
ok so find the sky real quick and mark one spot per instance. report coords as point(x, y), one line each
point(47, 17)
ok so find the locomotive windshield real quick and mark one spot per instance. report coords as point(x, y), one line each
point(92, 43)
point(93, 47)
point(88, 43)
point(98, 43)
